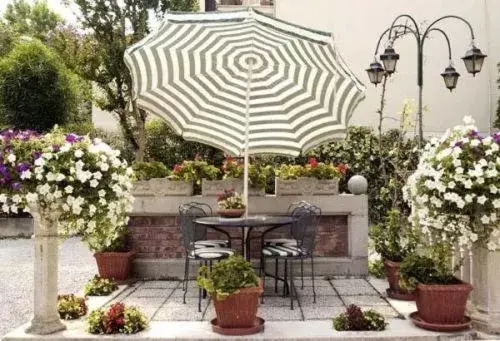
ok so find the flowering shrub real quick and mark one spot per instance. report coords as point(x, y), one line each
point(258, 175)
point(455, 191)
point(232, 169)
point(355, 319)
point(99, 286)
point(194, 170)
point(83, 181)
point(290, 172)
point(150, 170)
point(116, 319)
point(313, 168)
point(71, 307)
point(230, 200)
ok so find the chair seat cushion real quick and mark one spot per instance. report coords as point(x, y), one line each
point(201, 244)
point(211, 253)
point(282, 251)
point(280, 242)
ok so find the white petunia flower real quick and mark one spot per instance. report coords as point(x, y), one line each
point(482, 199)
point(94, 183)
point(26, 174)
point(485, 219)
point(78, 153)
point(3, 198)
point(11, 158)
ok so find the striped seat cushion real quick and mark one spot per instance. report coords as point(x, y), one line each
point(201, 244)
point(211, 253)
point(280, 242)
point(282, 251)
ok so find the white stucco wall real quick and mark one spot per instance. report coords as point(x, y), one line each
point(357, 25)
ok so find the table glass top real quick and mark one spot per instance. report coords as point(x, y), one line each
point(257, 220)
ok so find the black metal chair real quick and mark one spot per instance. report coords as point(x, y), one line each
point(196, 246)
point(304, 233)
point(288, 241)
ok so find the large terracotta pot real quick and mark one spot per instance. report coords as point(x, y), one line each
point(114, 265)
point(238, 310)
point(442, 304)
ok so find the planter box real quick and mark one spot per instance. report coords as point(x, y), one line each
point(215, 187)
point(306, 186)
point(256, 192)
point(16, 227)
point(114, 265)
point(162, 187)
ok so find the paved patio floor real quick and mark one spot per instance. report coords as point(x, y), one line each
point(162, 300)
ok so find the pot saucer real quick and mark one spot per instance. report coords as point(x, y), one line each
point(440, 327)
point(399, 295)
point(256, 328)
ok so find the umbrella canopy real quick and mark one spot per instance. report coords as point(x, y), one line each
point(244, 82)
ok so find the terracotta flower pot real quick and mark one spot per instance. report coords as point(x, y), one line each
point(442, 304)
point(238, 310)
point(114, 265)
point(395, 291)
point(231, 212)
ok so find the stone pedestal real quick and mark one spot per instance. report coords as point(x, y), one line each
point(46, 319)
point(485, 308)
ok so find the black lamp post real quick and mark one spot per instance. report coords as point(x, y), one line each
point(473, 59)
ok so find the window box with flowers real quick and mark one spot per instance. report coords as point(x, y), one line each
point(232, 177)
point(194, 173)
point(152, 180)
point(315, 178)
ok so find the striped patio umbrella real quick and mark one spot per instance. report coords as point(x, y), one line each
point(244, 82)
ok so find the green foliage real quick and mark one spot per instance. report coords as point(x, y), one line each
point(431, 268)
point(394, 239)
point(163, 144)
point(290, 172)
point(227, 277)
point(194, 171)
point(376, 268)
point(386, 172)
point(36, 89)
point(34, 20)
point(116, 319)
point(150, 170)
point(258, 175)
point(356, 320)
point(232, 169)
point(106, 237)
point(71, 307)
point(99, 286)
point(313, 169)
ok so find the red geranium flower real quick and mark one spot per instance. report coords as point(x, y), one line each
point(313, 162)
point(343, 167)
point(197, 157)
point(177, 168)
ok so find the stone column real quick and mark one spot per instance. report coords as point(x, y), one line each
point(485, 312)
point(46, 319)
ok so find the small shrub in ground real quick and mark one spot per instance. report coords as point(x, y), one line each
point(71, 307)
point(116, 319)
point(357, 320)
point(150, 170)
point(99, 286)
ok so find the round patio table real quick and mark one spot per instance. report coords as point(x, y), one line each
point(246, 224)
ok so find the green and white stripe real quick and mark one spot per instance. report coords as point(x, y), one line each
point(193, 72)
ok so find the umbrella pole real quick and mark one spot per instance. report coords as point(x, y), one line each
point(247, 133)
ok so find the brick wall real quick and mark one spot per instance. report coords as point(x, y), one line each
point(160, 237)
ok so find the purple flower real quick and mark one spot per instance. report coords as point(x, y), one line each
point(474, 133)
point(458, 144)
point(16, 186)
point(37, 155)
point(21, 167)
point(72, 138)
point(55, 147)
point(496, 137)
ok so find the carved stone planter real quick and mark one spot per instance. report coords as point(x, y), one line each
point(162, 187)
point(215, 187)
point(306, 186)
point(256, 192)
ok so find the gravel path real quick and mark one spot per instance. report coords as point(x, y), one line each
point(76, 266)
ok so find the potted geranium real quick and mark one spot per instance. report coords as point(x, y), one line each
point(394, 239)
point(315, 178)
point(195, 172)
point(230, 204)
point(235, 290)
point(441, 297)
point(152, 180)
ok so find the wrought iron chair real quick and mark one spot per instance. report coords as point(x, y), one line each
point(304, 233)
point(288, 241)
point(196, 246)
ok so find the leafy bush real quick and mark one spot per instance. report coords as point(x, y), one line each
point(71, 307)
point(393, 239)
point(150, 170)
point(258, 175)
point(432, 268)
point(116, 319)
point(376, 268)
point(99, 286)
point(36, 90)
point(232, 169)
point(194, 171)
point(163, 144)
point(228, 277)
point(386, 171)
point(357, 320)
point(290, 172)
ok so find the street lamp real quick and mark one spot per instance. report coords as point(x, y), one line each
point(473, 59)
